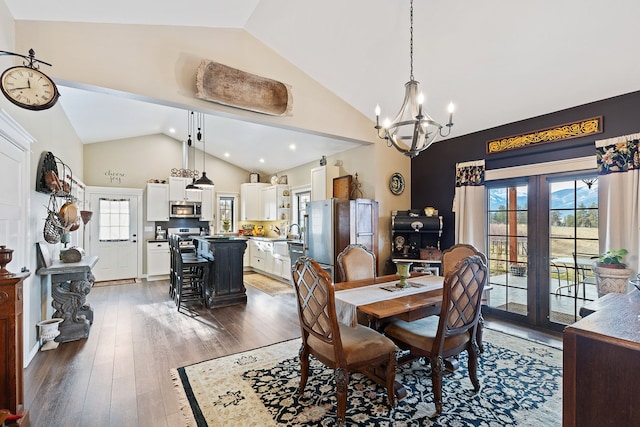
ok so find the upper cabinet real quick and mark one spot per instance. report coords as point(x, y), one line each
point(178, 190)
point(207, 213)
point(322, 182)
point(157, 202)
point(276, 203)
point(250, 201)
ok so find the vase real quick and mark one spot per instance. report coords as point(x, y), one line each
point(6, 255)
point(48, 332)
point(610, 280)
point(403, 273)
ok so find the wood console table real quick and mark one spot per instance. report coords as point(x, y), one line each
point(11, 335)
point(70, 284)
point(600, 364)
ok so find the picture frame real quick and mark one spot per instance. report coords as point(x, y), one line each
point(254, 178)
point(283, 179)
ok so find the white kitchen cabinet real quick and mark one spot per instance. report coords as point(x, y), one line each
point(158, 258)
point(250, 201)
point(269, 203)
point(157, 202)
point(208, 208)
point(322, 182)
point(178, 190)
point(276, 203)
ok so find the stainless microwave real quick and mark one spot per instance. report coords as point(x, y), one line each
point(185, 210)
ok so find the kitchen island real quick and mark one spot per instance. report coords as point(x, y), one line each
point(224, 285)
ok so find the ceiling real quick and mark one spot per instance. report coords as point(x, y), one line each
point(499, 61)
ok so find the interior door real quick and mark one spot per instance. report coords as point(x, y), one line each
point(114, 234)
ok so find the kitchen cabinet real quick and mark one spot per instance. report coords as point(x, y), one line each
point(276, 203)
point(178, 190)
point(224, 285)
point(11, 337)
point(208, 208)
point(158, 258)
point(250, 201)
point(322, 182)
point(157, 198)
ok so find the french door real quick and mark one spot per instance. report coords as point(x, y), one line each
point(542, 232)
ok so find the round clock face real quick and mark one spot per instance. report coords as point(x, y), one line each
point(28, 88)
point(396, 183)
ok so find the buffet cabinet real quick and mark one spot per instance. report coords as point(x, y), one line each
point(11, 339)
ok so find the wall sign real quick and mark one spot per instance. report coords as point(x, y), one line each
point(577, 129)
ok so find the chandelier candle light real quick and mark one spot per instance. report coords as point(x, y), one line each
point(412, 130)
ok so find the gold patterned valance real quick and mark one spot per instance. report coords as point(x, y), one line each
point(559, 133)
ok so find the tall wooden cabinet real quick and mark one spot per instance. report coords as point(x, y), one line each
point(11, 342)
point(356, 222)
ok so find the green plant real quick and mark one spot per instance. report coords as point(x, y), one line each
point(613, 257)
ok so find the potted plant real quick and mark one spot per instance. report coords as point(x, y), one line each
point(612, 275)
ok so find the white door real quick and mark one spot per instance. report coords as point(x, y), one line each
point(115, 232)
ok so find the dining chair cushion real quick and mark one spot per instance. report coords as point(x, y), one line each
point(422, 333)
point(358, 344)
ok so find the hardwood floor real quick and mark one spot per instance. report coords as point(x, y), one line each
point(119, 376)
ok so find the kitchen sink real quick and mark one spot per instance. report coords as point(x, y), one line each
point(281, 248)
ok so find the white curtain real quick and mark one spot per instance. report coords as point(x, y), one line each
point(619, 196)
point(469, 205)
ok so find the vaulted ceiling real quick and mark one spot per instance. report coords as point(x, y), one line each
point(499, 61)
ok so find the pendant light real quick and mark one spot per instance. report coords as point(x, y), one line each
point(412, 130)
point(192, 185)
point(203, 181)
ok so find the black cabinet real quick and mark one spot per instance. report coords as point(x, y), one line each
point(224, 286)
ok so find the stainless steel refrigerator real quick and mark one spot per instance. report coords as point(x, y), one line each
point(319, 233)
point(331, 225)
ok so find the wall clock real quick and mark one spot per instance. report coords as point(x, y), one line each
point(396, 183)
point(28, 87)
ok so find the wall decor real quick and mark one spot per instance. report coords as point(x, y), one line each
point(563, 132)
point(396, 183)
point(283, 179)
point(224, 85)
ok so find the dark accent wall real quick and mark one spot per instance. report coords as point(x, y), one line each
point(433, 171)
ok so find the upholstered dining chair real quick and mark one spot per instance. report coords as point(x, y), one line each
point(454, 331)
point(342, 348)
point(452, 256)
point(356, 262)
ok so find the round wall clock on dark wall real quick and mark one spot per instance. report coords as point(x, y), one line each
point(396, 183)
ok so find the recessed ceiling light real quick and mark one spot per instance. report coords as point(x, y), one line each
point(261, 160)
point(292, 147)
point(226, 154)
point(172, 130)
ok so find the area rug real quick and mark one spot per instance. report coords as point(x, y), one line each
point(520, 386)
point(267, 285)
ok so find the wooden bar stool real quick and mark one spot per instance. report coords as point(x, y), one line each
point(190, 274)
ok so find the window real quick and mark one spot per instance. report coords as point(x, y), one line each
point(114, 220)
point(226, 211)
point(301, 206)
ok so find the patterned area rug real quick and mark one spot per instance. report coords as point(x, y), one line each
point(267, 284)
point(520, 385)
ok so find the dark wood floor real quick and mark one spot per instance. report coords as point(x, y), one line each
point(119, 376)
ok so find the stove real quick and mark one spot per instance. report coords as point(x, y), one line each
point(185, 237)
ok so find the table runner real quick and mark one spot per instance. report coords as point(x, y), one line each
point(349, 299)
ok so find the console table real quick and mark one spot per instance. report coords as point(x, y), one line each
point(70, 284)
point(600, 364)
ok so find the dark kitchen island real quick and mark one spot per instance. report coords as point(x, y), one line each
point(225, 284)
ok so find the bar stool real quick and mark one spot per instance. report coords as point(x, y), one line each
point(191, 273)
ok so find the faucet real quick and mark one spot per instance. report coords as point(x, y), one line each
point(297, 226)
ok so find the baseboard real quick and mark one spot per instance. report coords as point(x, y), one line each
point(32, 354)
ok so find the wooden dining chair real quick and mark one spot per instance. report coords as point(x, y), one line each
point(356, 262)
point(454, 331)
point(343, 348)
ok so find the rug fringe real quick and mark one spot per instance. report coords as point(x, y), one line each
point(183, 401)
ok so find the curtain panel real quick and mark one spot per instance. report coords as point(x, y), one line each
point(469, 204)
point(619, 196)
